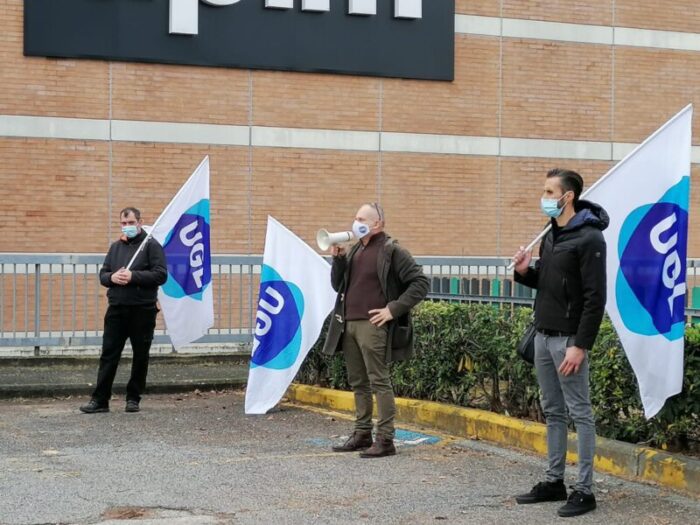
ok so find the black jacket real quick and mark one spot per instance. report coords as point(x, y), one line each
point(148, 272)
point(404, 285)
point(570, 276)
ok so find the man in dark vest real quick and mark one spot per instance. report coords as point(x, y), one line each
point(378, 283)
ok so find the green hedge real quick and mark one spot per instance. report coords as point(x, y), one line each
point(465, 355)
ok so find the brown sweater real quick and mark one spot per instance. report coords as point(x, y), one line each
point(364, 291)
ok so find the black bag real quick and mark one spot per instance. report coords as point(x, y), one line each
point(526, 346)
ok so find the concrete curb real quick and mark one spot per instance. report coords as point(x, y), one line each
point(64, 376)
point(170, 359)
point(613, 457)
point(72, 389)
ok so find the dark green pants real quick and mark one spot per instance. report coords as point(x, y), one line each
point(364, 346)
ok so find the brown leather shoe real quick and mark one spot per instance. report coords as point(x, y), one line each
point(359, 440)
point(382, 447)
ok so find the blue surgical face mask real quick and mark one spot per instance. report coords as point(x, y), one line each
point(130, 231)
point(550, 207)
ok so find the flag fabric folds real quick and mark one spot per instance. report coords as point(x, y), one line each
point(647, 198)
point(183, 229)
point(295, 298)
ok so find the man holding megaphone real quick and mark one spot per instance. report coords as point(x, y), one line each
point(378, 283)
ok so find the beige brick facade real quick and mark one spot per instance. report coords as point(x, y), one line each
point(596, 12)
point(467, 106)
point(563, 92)
point(681, 15)
point(63, 195)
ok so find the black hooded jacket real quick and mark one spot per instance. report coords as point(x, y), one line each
point(148, 272)
point(570, 276)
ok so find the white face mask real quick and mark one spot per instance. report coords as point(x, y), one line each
point(360, 229)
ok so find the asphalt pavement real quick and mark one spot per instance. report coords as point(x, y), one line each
point(195, 458)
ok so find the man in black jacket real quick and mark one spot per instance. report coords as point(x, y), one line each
point(570, 278)
point(131, 314)
point(378, 283)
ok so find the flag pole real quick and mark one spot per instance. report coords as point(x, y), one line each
point(610, 172)
point(162, 214)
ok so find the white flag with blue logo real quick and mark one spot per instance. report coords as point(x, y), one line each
point(295, 298)
point(646, 196)
point(183, 229)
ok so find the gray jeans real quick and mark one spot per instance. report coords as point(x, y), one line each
point(558, 393)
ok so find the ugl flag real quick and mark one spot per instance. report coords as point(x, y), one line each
point(183, 229)
point(646, 196)
point(295, 298)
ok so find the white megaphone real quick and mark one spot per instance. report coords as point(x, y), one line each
point(325, 240)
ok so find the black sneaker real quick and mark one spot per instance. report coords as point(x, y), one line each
point(93, 407)
point(578, 503)
point(132, 406)
point(544, 491)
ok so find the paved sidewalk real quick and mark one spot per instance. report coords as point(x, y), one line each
point(197, 459)
point(61, 376)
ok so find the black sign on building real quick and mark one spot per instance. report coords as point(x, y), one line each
point(387, 38)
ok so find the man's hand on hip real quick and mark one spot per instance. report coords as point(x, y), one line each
point(380, 316)
point(572, 361)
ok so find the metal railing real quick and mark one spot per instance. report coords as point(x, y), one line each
point(56, 300)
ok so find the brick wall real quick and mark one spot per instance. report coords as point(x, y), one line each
point(467, 106)
point(40, 86)
point(680, 15)
point(63, 195)
point(597, 12)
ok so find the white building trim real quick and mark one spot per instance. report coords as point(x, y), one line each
point(17, 126)
point(576, 33)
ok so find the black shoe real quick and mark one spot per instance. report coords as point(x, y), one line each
point(544, 491)
point(359, 440)
point(578, 503)
point(93, 407)
point(132, 406)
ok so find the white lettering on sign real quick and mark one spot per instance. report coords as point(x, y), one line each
point(316, 5)
point(279, 4)
point(362, 7)
point(408, 9)
point(196, 253)
point(672, 264)
point(184, 14)
point(263, 320)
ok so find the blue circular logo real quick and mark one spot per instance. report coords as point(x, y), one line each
point(650, 285)
point(278, 322)
point(188, 253)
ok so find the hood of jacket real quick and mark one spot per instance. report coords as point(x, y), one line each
point(587, 214)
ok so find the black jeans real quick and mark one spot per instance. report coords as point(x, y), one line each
point(137, 324)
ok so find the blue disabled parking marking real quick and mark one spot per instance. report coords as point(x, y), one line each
point(319, 442)
point(402, 438)
point(412, 439)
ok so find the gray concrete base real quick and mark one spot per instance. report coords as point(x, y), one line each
point(62, 376)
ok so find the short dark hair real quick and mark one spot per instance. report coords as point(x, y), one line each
point(126, 211)
point(569, 180)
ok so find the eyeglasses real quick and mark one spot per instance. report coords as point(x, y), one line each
point(379, 210)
